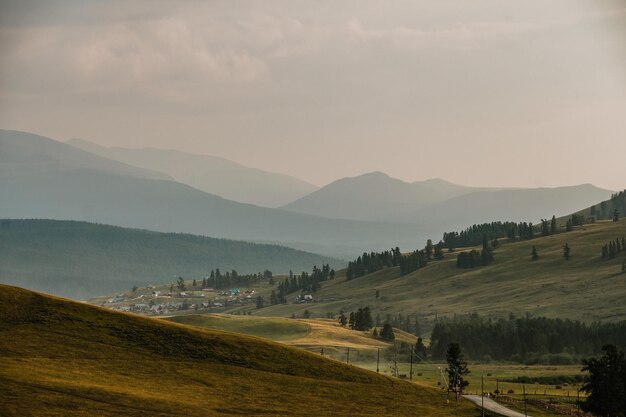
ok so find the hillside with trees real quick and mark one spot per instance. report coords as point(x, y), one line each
point(78, 259)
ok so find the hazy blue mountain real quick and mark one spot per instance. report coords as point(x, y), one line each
point(24, 153)
point(211, 174)
point(80, 260)
point(100, 196)
point(514, 205)
point(375, 196)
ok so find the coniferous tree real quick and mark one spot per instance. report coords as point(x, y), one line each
point(375, 332)
point(553, 225)
point(615, 215)
point(180, 284)
point(429, 249)
point(568, 225)
point(439, 251)
point(534, 255)
point(343, 320)
point(457, 368)
point(606, 383)
point(420, 350)
point(387, 332)
point(259, 302)
point(566, 251)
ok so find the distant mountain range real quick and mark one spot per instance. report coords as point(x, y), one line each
point(81, 260)
point(211, 174)
point(441, 205)
point(376, 196)
point(96, 189)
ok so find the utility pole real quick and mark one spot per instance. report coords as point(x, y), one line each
point(411, 371)
point(482, 394)
point(578, 402)
point(497, 386)
point(524, 391)
point(377, 360)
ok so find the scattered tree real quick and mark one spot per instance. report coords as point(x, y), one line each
point(259, 302)
point(566, 252)
point(180, 284)
point(534, 255)
point(387, 332)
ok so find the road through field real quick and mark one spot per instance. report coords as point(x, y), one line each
point(493, 406)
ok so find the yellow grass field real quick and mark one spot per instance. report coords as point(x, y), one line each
point(60, 358)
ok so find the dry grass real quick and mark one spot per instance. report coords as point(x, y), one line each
point(60, 358)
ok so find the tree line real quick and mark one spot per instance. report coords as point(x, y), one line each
point(611, 249)
point(372, 262)
point(305, 282)
point(230, 279)
point(524, 339)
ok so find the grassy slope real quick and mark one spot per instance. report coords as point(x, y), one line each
point(311, 335)
point(585, 287)
point(79, 259)
point(60, 358)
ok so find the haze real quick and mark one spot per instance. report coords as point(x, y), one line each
point(485, 93)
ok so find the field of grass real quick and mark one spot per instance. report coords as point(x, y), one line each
point(60, 358)
point(584, 288)
point(315, 335)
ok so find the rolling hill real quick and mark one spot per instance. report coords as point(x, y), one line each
point(585, 288)
point(308, 334)
point(60, 358)
point(80, 260)
point(97, 195)
point(211, 174)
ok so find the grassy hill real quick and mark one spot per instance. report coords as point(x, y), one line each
point(585, 287)
point(60, 358)
point(312, 335)
point(80, 260)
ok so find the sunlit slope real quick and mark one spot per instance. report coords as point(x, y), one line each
point(309, 334)
point(585, 287)
point(60, 358)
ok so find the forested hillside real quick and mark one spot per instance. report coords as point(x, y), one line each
point(80, 260)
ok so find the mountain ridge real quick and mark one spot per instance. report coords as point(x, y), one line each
point(212, 174)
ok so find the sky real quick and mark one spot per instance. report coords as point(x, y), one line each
point(486, 93)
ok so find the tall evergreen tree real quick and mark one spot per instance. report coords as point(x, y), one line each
point(553, 225)
point(387, 332)
point(534, 255)
point(606, 383)
point(615, 215)
point(457, 368)
point(566, 251)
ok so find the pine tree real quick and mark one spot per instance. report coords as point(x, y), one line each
point(429, 249)
point(375, 332)
point(615, 215)
point(457, 368)
point(259, 302)
point(606, 384)
point(566, 251)
point(387, 332)
point(343, 320)
point(553, 225)
point(534, 254)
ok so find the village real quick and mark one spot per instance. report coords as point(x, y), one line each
point(153, 300)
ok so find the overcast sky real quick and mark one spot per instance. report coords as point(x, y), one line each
point(481, 92)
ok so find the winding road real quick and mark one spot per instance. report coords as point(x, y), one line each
point(493, 406)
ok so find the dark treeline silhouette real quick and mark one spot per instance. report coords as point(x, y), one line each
point(526, 339)
point(613, 248)
point(305, 282)
point(476, 258)
point(372, 262)
point(409, 323)
point(361, 320)
point(219, 280)
point(474, 235)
